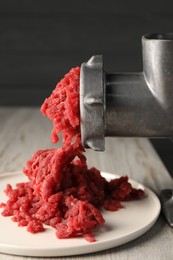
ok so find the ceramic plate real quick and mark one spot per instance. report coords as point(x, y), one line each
point(120, 227)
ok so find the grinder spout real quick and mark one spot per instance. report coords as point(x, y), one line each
point(138, 104)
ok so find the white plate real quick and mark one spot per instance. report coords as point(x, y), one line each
point(120, 227)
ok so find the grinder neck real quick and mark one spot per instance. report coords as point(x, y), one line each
point(158, 66)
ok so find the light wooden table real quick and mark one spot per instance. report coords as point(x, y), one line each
point(24, 130)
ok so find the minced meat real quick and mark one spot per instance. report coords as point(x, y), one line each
point(61, 191)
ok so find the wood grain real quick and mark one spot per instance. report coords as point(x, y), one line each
point(24, 130)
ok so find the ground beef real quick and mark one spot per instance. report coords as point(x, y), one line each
point(61, 191)
point(62, 107)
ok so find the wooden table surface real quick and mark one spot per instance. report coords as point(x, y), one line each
point(23, 131)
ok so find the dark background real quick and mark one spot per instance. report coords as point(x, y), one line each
point(41, 40)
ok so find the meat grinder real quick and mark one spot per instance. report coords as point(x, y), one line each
point(138, 104)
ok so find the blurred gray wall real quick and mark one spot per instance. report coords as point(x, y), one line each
point(41, 40)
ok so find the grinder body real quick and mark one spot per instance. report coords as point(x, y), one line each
point(129, 104)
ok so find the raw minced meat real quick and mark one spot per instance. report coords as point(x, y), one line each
point(62, 107)
point(61, 190)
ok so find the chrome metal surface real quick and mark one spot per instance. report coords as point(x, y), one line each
point(92, 103)
point(129, 104)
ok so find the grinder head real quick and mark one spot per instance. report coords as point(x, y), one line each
point(92, 103)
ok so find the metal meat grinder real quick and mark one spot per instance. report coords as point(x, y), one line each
point(129, 104)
